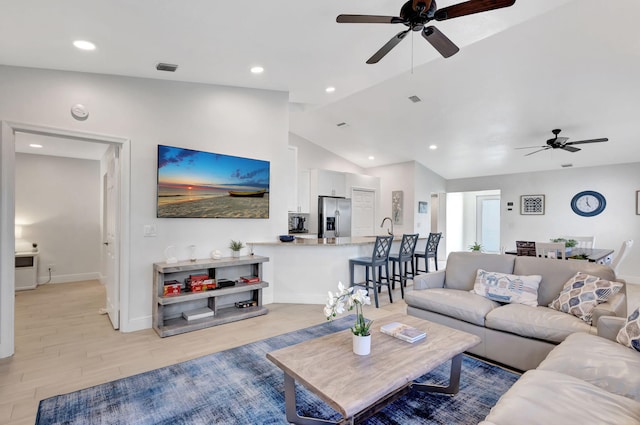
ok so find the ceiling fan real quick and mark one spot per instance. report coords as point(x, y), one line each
point(415, 14)
point(561, 143)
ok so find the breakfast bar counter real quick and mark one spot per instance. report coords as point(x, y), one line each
point(304, 270)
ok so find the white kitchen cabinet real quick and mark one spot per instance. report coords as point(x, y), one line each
point(291, 169)
point(303, 192)
point(331, 183)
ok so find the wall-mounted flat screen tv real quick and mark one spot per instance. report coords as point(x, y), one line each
point(200, 184)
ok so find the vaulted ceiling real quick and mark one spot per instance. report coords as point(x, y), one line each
point(521, 72)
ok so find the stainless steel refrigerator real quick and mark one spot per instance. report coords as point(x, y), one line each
point(334, 217)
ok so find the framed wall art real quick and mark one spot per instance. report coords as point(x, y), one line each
point(532, 205)
point(423, 207)
point(637, 202)
point(397, 199)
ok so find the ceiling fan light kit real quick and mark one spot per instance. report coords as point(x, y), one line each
point(416, 14)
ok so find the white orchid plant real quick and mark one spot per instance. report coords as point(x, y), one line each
point(353, 299)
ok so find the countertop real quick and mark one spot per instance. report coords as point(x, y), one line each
point(344, 241)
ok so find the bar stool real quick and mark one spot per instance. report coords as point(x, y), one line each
point(379, 258)
point(431, 251)
point(404, 256)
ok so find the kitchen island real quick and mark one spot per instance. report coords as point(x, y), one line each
point(304, 270)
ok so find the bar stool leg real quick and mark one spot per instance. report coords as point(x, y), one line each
point(402, 280)
point(375, 293)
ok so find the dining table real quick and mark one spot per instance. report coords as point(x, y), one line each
point(596, 255)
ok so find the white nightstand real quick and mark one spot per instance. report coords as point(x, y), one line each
point(26, 270)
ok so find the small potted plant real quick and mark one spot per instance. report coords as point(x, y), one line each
point(568, 243)
point(235, 247)
point(475, 247)
point(353, 299)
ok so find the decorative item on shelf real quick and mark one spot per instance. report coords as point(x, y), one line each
point(235, 247)
point(192, 253)
point(216, 254)
point(170, 254)
point(476, 247)
point(568, 244)
point(354, 299)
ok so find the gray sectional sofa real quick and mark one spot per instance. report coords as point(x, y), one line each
point(516, 335)
point(586, 379)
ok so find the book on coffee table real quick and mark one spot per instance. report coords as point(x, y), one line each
point(403, 332)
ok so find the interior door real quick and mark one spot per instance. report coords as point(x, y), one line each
point(111, 243)
point(488, 223)
point(363, 212)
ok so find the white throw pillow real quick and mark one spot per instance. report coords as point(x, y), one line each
point(507, 288)
point(582, 293)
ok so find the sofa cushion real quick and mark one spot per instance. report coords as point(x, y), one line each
point(582, 293)
point(629, 335)
point(507, 288)
point(555, 273)
point(535, 322)
point(604, 363)
point(542, 397)
point(462, 268)
point(462, 305)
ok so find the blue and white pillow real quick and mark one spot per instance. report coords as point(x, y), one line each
point(507, 288)
point(582, 293)
point(629, 335)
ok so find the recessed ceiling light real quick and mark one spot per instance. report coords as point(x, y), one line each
point(433, 147)
point(84, 45)
point(35, 145)
point(257, 70)
point(330, 89)
point(371, 157)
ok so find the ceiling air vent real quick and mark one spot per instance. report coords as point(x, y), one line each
point(415, 99)
point(341, 124)
point(166, 67)
point(566, 165)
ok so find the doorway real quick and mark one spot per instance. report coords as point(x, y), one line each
point(119, 284)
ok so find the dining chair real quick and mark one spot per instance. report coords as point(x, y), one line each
point(551, 250)
point(379, 259)
point(404, 256)
point(526, 248)
point(431, 251)
point(624, 251)
point(583, 241)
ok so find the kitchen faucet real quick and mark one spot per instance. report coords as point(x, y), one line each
point(390, 221)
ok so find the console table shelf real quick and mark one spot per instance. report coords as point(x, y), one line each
point(167, 310)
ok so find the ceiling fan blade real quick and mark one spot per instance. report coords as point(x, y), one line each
point(579, 142)
point(440, 41)
point(569, 148)
point(531, 147)
point(387, 47)
point(470, 7)
point(559, 140)
point(368, 19)
point(539, 150)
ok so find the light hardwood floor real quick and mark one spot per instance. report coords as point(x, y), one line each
point(64, 344)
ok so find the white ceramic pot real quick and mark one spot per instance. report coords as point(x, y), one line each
point(235, 254)
point(362, 345)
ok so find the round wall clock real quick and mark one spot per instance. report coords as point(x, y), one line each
point(588, 203)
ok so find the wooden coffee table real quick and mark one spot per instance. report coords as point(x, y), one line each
point(358, 386)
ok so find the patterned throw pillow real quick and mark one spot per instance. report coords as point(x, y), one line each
point(582, 293)
point(507, 288)
point(629, 335)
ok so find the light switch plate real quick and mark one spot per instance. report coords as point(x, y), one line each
point(149, 231)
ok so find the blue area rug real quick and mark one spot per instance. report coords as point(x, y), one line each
point(240, 386)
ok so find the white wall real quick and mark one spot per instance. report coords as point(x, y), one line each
point(312, 156)
point(617, 223)
point(58, 206)
point(233, 121)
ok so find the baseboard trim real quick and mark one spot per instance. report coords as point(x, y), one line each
point(67, 278)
